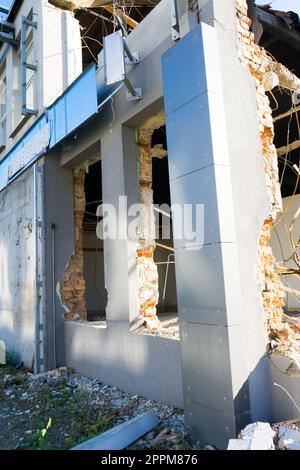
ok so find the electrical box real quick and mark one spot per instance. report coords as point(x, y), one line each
point(114, 58)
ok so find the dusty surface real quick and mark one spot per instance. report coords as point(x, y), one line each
point(168, 327)
point(75, 408)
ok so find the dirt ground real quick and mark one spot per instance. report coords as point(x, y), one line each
point(58, 410)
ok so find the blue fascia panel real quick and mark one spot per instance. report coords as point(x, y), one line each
point(78, 104)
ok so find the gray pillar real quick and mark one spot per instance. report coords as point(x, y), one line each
point(119, 178)
point(59, 246)
point(215, 378)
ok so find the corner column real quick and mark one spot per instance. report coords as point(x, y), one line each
point(215, 380)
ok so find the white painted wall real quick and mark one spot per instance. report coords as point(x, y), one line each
point(61, 56)
point(281, 246)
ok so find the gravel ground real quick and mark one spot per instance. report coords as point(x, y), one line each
point(59, 409)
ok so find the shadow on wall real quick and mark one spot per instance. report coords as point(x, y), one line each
point(139, 364)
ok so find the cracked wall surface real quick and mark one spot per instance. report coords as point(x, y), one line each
point(18, 270)
point(72, 288)
point(267, 74)
point(148, 291)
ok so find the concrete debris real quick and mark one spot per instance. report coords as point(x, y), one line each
point(289, 439)
point(263, 436)
point(256, 436)
point(238, 444)
point(168, 328)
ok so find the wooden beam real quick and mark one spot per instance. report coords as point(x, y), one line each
point(129, 21)
point(289, 148)
point(287, 114)
point(288, 272)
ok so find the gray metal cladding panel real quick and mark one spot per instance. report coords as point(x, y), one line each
point(189, 138)
point(209, 426)
point(197, 188)
point(206, 366)
point(200, 285)
point(184, 75)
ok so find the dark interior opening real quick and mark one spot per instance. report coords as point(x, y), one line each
point(97, 23)
point(164, 253)
point(287, 131)
point(96, 294)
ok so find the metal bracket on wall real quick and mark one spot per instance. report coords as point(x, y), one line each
point(26, 23)
point(174, 20)
point(7, 33)
point(133, 94)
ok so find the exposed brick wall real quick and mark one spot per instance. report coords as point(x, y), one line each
point(72, 288)
point(266, 73)
point(148, 291)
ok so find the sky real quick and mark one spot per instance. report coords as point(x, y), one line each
point(284, 5)
point(7, 3)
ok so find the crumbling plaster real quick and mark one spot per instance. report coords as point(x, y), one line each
point(267, 74)
point(72, 288)
point(148, 290)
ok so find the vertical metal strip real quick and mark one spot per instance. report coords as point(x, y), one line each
point(39, 264)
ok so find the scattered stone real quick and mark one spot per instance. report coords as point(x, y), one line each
point(115, 405)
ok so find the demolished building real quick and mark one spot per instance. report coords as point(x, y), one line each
point(207, 113)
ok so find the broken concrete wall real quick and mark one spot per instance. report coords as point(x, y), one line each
point(148, 291)
point(17, 270)
point(72, 288)
point(262, 68)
